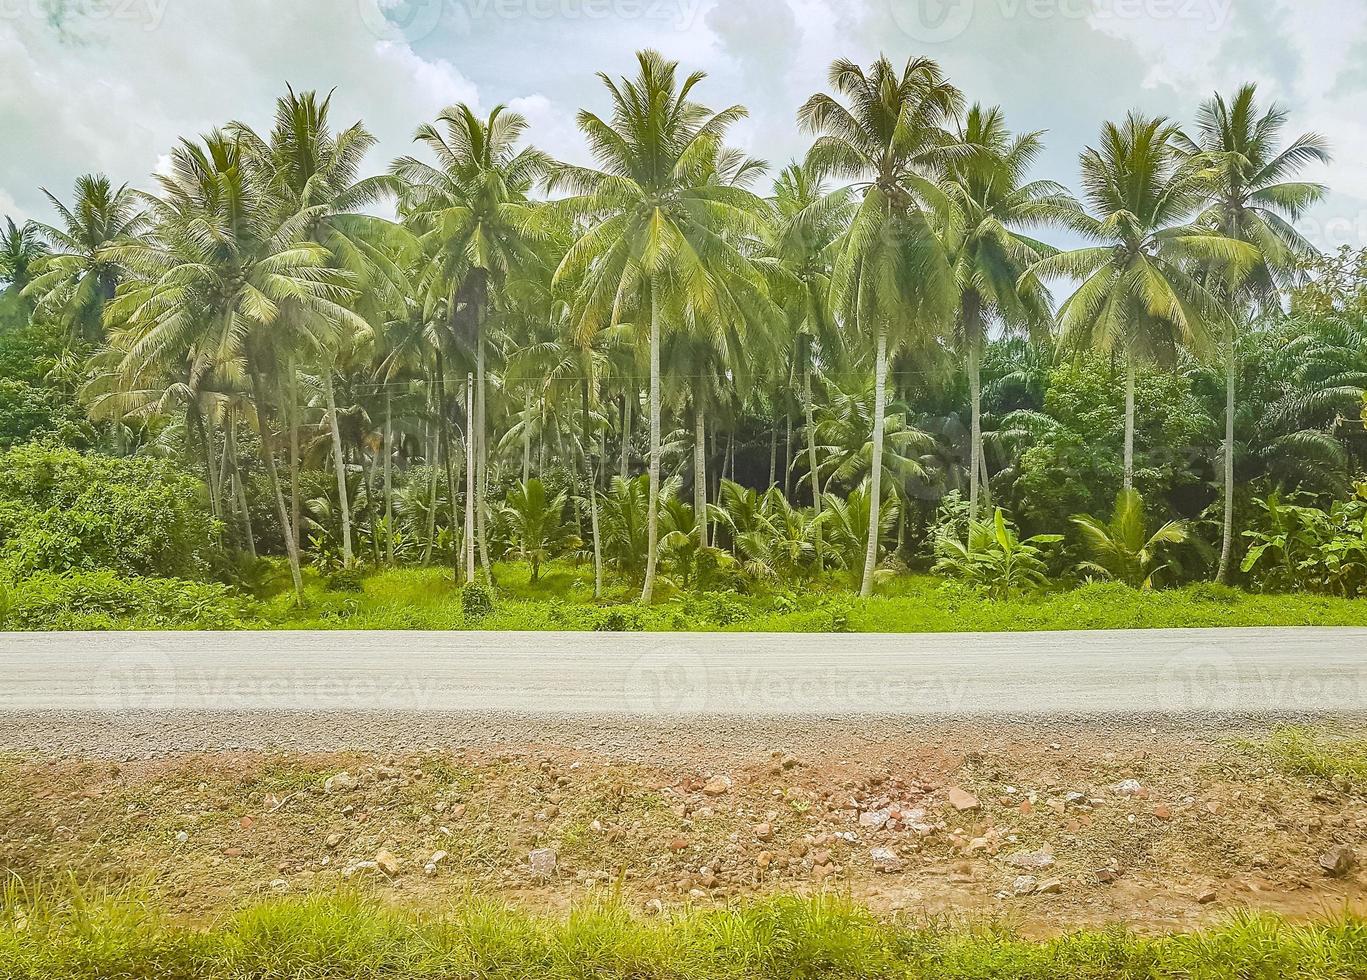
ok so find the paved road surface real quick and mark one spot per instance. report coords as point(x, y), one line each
point(1173, 673)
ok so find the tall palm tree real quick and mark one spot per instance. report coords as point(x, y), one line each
point(990, 203)
point(1254, 198)
point(21, 249)
point(78, 277)
point(659, 230)
point(808, 222)
point(1138, 298)
point(312, 175)
point(212, 284)
point(472, 212)
point(891, 280)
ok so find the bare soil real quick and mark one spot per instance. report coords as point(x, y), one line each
point(915, 820)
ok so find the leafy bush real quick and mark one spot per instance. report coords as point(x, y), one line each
point(1122, 548)
point(476, 601)
point(1306, 548)
point(63, 511)
point(996, 559)
point(105, 601)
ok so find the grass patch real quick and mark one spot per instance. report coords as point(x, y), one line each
point(1309, 752)
point(782, 938)
point(429, 599)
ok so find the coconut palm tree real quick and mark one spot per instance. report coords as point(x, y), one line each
point(1138, 299)
point(212, 283)
point(660, 231)
point(312, 176)
point(1254, 198)
point(807, 222)
point(990, 204)
point(891, 279)
point(472, 214)
point(21, 249)
point(1121, 548)
point(78, 277)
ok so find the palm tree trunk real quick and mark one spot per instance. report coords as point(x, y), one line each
point(591, 466)
point(788, 455)
point(447, 454)
point(240, 490)
point(700, 472)
point(430, 437)
point(1129, 421)
point(1227, 541)
point(876, 477)
point(773, 455)
point(371, 509)
point(482, 448)
point(469, 543)
point(195, 418)
point(653, 517)
point(975, 451)
point(626, 433)
point(526, 437)
point(339, 464)
point(296, 503)
point(810, 413)
point(389, 476)
point(273, 475)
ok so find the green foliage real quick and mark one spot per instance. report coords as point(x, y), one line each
point(1121, 548)
point(476, 601)
point(537, 524)
point(1070, 456)
point(61, 510)
point(779, 938)
point(1309, 752)
point(1308, 548)
point(32, 405)
point(102, 600)
point(996, 559)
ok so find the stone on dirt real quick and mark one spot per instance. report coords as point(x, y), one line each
point(543, 862)
point(1338, 861)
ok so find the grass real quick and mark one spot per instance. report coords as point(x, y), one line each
point(1311, 752)
point(563, 600)
point(428, 599)
point(785, 938)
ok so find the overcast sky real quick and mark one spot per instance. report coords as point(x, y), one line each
point(108, 85)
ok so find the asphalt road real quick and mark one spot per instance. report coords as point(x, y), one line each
point(1162, 673)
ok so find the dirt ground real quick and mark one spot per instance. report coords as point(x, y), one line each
point(1049, 826)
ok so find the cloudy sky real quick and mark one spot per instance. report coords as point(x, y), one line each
point(109, 85)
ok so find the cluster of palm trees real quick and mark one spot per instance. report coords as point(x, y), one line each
point(520, 307)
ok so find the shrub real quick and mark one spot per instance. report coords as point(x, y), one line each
point(619, 621)
point(105, 601)
point(476, 601)
point(62, 511)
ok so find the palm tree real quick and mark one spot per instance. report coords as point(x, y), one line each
point(990, 202)
point(1254, 198)
point(659, 230)
point(1122, 548)
point(214, 280)
point(808, 222)
point(537, 521)
point(21, 250)
point(473, 215)
point(311, 174)
point(1137, 299)
point(891, 278)
point(78, 278)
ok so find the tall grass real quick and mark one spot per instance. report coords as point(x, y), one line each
point(781, 938)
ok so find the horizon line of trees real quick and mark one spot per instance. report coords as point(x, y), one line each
point(522, 314)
